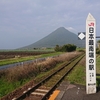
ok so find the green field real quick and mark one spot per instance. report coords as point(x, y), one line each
point(21, 59)
point(7, 85)
point(77, 76)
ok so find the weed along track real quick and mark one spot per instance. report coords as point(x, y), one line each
point(44, 88)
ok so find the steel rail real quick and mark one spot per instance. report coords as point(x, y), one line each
point(54, 87)
point(28, 92)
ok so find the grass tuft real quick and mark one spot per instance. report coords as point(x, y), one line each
point(17, 76)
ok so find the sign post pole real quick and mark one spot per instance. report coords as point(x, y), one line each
point(90, 55)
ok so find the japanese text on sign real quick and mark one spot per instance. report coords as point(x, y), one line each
point(91, 50)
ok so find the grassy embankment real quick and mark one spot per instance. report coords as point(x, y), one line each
point(15, 77)
point(98, 71)
point(21, 59)
point(78, 75)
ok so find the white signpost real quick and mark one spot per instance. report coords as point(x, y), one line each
point(90, 55)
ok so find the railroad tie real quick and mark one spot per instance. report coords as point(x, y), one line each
point(40, 92)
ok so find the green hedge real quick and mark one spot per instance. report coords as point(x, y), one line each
point(65, 48)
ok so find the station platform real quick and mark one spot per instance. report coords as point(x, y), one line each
point(67, 91)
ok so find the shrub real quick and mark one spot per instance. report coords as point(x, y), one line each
point(70, 47)
point(33, 69)
point(57, 48)
point(66, 48)
point(98, 51)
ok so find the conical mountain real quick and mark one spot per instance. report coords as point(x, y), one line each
point(60, 37)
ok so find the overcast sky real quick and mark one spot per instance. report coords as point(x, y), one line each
point(23, 22)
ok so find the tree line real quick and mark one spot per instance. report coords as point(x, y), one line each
point(65, 48)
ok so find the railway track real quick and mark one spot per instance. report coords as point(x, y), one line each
point(44, 89)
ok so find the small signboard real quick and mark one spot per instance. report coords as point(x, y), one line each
point(90, 55)
point(81, 35)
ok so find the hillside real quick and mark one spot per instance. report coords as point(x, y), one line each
point(60, 36)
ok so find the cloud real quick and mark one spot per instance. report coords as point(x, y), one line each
point(31, 20)
point(72, 30)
